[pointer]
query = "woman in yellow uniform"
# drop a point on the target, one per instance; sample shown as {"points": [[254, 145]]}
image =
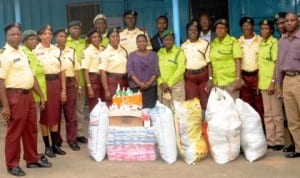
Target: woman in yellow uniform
{"points": [[198, 66], [273, 115], [171, 61], [225, 56], [113, 66], [68, 56], [49, 55], [90, 65]]}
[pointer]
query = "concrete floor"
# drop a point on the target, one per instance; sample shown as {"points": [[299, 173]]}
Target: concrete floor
{"points": [[79, 164]]}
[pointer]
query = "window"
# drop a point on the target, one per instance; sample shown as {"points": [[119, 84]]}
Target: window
{"points": [[85, 12]]}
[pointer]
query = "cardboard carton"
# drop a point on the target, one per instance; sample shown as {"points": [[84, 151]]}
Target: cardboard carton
{"points": [[125, 121]]}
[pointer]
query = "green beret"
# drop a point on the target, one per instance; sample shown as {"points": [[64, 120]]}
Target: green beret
{"points": [[28, 33], [60, 30], [74, 23], [267, 22], [221, 21], [167, 33], [246, 19], [9, 26], [44, 28], [279, 15], [110, 31], [91, 31], [130, 12]]}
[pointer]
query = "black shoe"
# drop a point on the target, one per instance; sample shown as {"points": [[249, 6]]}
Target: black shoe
{"points": [[59, 144], [270, 147], [43, 158], [82, 139], [58, 150], [49, 152], [278, 147], [74, 147], [16, 171], [290, 148], [39, 164], [293, 155]]}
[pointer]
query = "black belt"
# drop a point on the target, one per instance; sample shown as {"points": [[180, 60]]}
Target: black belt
{"points": [[196, 71], [292, 74], [117, 76], [52, 76], [93, 73], [70, 79], [246, 73], [18, 90]]}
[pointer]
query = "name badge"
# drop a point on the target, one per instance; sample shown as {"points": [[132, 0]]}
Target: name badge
{"points": [[16, 60]]}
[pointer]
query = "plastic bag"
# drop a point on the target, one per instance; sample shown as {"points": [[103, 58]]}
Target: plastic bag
{"points": [[163, 123], [223, 126], [253, 139], [97, 132], [190, 140]]}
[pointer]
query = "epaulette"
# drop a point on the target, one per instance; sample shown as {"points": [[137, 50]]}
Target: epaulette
{"points": [[2, 50], [72, 48]]}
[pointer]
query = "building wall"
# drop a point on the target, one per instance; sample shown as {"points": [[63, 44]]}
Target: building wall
{"points": [[258, 10], [34, 13]]}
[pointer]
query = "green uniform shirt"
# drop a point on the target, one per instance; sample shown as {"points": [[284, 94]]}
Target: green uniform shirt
{"points": [[267, 56], [104, 41], [222, 56], [39, 72], [171, 66], [79, 46]]}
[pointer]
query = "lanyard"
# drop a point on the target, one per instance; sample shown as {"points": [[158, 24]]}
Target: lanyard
{"points": [[160, 42]]}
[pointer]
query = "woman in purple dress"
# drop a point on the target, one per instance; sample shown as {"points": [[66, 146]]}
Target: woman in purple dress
{"points": [[142, 68]]}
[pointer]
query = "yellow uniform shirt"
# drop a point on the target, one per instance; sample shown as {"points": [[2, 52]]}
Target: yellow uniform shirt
{"points": [[128, 39], [15, 69], [249, 59], [104, 41], [267, 56], [38, 70], [50, 58], [91, 60], [222, 56], [70, 60], [114, 60], [171, 66], [79, 45], [196, 54]]}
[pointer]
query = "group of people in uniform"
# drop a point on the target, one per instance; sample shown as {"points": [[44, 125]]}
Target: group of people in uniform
{"points": [[41, 81]]}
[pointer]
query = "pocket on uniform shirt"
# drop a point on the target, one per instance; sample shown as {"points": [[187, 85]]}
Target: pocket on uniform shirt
{"points": [[225, 52]]}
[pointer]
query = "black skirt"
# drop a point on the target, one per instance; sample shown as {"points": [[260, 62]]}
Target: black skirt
{"points": [[149, 96]]}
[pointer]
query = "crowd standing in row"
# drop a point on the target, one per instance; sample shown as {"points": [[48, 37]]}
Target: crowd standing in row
{"points": [[65, 74]]}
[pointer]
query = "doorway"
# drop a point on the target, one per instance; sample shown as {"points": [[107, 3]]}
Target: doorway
{"points": [[215, 8]]}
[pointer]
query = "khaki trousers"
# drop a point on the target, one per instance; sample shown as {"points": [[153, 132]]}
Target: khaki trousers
{"points": [[178, 94], [80, 102], [273, 119], [291, 98]]}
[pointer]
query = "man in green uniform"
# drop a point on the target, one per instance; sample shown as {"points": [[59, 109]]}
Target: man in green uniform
{"points": [[79, 44]]}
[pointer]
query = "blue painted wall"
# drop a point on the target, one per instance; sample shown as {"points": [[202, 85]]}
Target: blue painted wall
{"points": [[258, 9], [34, 13]]}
